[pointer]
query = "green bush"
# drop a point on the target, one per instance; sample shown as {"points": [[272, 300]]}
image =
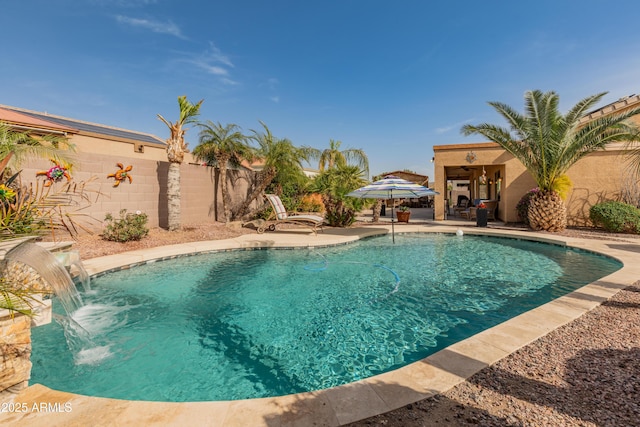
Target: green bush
{"points": [[127, 228], [616, 217], [337, 212]]}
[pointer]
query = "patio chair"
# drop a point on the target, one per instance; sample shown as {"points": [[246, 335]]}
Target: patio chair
{"points": [[469, 213], [461, 207], [282, 216], [491, 209]]}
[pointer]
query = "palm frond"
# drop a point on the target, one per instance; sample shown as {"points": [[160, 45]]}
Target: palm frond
{"points": [[549, 143]]}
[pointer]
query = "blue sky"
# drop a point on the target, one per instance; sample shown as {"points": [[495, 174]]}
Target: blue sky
{"points": [[391, 78]]}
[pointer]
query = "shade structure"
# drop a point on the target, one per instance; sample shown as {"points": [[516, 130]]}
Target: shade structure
{"points": [[392, 187]]}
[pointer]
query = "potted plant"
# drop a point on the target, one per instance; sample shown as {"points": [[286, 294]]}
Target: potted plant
{"points": [[403, 214], [481, 215]]}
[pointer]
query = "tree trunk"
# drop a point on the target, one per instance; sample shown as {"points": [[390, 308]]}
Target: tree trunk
{"points": [[376, 210], [173, 196], [264, 179], [222, 161], [547, 212]]}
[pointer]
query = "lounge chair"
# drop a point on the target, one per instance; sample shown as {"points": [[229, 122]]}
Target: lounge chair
{"points": [[282, 216]]}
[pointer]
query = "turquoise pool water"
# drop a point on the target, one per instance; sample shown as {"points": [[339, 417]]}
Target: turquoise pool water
{"points": [[249, 324]]}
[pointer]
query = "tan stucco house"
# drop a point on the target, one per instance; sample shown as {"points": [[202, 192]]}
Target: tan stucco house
{"points": [[494, 174]]}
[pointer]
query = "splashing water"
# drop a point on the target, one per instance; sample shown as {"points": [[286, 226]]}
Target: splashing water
{"points": [[51, 270]]}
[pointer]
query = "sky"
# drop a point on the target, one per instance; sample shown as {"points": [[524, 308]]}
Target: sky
{"points": [[390, 78]]}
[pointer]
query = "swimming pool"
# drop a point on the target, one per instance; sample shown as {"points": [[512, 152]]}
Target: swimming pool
{"points": [[262, 323]]}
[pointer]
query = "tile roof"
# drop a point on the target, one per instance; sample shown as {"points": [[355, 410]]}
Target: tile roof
{"points": [[616, 106], [78, 126]]}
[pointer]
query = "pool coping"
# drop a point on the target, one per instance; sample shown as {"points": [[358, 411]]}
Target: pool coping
{"points": [[348, 403]]}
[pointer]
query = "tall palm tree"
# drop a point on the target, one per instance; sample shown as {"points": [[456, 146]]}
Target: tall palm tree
{"points": [[176, 149], [283, 162], [223, 146], [17, 146], [548, 143], [333, 156]]}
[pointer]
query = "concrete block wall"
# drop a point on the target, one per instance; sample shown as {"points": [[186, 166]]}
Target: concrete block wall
{"points": [[201, 200]]}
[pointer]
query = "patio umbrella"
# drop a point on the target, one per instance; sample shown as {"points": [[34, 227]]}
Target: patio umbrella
{"points": [[391, 187]]}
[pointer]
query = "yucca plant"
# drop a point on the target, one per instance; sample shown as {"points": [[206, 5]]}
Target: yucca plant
{"points": [[548, 143], [35, 210], [17, 300]]}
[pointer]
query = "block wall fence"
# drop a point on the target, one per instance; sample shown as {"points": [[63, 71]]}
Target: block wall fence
{"points": [[201, 199]]}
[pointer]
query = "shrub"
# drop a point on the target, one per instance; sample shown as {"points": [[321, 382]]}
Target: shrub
{"points": [[127, 228], [616, 217], [338, 213], [34, 210], [312, 203], [523, 206]]}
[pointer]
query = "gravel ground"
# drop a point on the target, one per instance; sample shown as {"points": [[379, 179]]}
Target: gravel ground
{"points": [[586, 373], [92, 245]]}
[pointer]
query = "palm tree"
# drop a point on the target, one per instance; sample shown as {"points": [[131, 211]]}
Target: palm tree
{"points": [[340, 180], [334, 184], [634, 155], [176, 148], [16, 147], [333, 156], [282, 163], [549, 143], [223, 146]]}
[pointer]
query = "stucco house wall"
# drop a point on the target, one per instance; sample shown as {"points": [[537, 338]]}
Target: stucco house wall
{"points": [[599, 176], [494, 159]]}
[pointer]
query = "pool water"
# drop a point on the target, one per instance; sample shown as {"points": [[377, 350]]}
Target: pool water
{"points": [[248, 324]]}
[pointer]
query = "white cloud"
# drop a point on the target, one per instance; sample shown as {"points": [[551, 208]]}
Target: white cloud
{"points": [[213, 61], [211, 69], [275, 99], [229, 82], [155, 26], [215, 55], [124, 3], [453, 126]]}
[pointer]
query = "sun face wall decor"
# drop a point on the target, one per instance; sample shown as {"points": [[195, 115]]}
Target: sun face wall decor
{"points": [[56, 173], [121, 174]]}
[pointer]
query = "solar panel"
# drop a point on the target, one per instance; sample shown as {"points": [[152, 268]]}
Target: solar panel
{"points": [[94, 127]]}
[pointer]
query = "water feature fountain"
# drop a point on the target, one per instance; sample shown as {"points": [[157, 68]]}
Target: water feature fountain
{"points": [[59, 271], [71, 260], [29, 267], [51, 270]]}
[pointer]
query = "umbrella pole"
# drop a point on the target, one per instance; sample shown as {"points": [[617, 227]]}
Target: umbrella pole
{"points": [[393, 233]]}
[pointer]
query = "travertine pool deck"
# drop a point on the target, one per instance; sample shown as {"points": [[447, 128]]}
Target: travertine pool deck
{"points": [[344, 404]]}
